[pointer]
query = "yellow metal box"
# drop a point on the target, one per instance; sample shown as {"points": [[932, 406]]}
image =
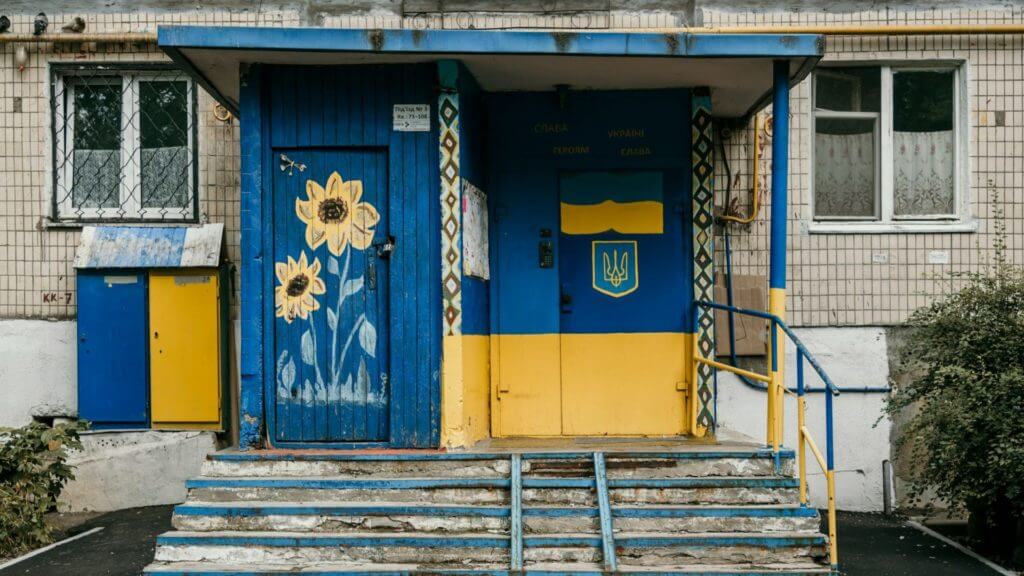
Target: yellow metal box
{"points": [[186, 351]]}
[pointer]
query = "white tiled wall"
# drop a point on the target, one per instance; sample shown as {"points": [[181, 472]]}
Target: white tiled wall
{"points": [[832, 278]]}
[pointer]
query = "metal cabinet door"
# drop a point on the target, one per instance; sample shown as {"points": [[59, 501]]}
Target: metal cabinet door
{"points": [[112, 378], [184, 338]]}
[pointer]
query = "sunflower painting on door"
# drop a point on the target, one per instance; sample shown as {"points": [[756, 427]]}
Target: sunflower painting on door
{"points": [[335, 216]]}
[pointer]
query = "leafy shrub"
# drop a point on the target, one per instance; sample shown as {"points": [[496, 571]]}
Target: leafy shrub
{"points": [[33, 471], [966, 435]]}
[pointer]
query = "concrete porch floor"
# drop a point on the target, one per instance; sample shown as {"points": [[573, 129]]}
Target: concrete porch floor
{"points": [[724, 441]]}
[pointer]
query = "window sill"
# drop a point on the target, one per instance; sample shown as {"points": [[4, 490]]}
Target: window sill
{"points": [[48, 224], [954, 227]]}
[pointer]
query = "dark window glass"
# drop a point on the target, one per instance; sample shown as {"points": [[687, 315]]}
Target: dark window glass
{"points": [[848, 89]]}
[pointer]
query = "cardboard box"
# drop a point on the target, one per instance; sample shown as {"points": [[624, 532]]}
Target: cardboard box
{"points": [[750, 292]]}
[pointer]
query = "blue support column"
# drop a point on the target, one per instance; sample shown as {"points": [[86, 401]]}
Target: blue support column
{"points": [[251, 401], [780, 175], [777, 259]]}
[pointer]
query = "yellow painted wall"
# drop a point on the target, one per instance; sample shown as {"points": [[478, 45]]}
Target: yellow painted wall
{"points": [[465, 390]]}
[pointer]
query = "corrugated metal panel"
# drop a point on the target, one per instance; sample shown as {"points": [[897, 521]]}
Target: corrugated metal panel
{"points": [[150, 247]]}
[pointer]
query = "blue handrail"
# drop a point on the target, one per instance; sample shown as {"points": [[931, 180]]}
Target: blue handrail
{"points": [[830, 389], [801, 348]]}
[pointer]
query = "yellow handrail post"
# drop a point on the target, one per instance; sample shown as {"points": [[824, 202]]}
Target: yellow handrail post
{"points": [[801, 449], [833, 546]]}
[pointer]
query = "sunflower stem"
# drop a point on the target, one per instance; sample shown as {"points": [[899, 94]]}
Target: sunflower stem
{"points": [[342, 278], [348, 341], [316, 361]]}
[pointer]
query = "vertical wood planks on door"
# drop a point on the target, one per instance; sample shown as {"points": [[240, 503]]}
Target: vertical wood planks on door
{"points": [[350, 108]]}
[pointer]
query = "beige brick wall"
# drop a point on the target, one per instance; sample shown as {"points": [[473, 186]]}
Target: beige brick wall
{"points": [[832, 278]]}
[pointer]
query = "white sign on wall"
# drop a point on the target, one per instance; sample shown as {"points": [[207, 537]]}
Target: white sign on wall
{"points": [[411, 118], [476, 260]]}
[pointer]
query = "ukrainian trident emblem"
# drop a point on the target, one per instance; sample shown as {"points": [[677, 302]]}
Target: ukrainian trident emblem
{"points": [[614, 265]]}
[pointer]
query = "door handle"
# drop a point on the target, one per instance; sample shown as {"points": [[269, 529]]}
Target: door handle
{"points": [[565, 301]]}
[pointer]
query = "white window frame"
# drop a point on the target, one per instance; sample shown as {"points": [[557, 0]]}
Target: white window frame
{"points": [[130, 204], [885, 220]]}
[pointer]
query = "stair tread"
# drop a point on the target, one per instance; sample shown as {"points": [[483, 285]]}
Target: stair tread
{"points": [[490, 479], [469, 535], [354, 567], [428, 504]]}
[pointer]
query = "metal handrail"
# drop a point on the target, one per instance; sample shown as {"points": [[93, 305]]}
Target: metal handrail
{"points": [[776, 389], [785, 328]]}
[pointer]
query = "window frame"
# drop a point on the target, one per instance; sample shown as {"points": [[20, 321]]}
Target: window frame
{"points": [[885, 219], [130, 207]]}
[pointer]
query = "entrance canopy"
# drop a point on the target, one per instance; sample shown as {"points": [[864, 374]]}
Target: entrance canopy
{"points": [[732, 65]]}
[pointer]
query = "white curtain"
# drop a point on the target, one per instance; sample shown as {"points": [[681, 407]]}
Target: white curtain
{"points": [[844, 174], [923, 173]]}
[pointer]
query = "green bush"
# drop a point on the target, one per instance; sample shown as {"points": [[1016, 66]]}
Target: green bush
{"points": [[33, 471], [966, 435]]}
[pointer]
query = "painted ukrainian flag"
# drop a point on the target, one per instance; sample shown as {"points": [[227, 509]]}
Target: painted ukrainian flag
{"points": [[627, 203]]}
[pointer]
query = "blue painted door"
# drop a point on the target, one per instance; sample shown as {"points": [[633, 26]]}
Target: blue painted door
{"points": [[331, 254], [113, 389]]}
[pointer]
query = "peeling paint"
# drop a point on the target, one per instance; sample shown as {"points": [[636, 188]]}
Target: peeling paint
{"points": [[562, 40], [672, 43], [376, 38]]}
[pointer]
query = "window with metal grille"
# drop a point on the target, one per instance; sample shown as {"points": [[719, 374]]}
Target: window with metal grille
{"points": [[124, 144]]}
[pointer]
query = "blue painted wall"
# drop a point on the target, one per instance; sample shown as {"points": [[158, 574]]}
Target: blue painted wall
{"points": [[533, 139], [472, 145], [287, 108]]}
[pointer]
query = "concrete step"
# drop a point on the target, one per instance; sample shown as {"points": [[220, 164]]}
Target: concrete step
{"points": [[466, 551], [666, 464], [466, 491], [469, 465], [342, 465], [724, 490], [578, 569], [495, 491], [431, 518]]}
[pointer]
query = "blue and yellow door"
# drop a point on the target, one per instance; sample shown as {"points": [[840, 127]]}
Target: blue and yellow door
{"points": [[621, 308], [591, 251]]}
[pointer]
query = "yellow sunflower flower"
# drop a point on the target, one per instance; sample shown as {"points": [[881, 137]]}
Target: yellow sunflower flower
{"points": [[336, 216], [300, 283]]}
